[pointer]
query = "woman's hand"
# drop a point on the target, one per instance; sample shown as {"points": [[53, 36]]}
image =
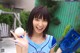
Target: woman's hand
{"points": [[59, 50], [23, 42]]}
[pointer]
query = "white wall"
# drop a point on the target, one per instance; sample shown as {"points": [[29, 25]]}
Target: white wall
{"points": [[27, 5]]}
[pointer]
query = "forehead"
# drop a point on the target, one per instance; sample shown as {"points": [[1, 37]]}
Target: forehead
{"points": [[40, 16]]}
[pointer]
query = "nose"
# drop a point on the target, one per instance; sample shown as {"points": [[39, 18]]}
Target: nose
{"points": [[40, 23]]}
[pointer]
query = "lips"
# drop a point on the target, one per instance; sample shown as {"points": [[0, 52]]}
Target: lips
{"points": [[39, 28]]}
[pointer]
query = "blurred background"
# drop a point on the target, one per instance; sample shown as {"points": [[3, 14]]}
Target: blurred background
{"points": [[65, 14]]}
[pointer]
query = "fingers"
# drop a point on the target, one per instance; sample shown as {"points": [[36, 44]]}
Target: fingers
{"points": [[25, 33], [17, 43], [21, 43], [13, 34]]}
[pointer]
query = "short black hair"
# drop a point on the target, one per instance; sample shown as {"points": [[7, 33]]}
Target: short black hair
{"points": [[39, 10]]}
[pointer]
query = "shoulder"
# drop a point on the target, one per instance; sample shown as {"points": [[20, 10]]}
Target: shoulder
{"points": [[51, 37], [52, 41]]}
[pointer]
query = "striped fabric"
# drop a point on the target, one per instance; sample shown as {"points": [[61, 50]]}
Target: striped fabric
{"points": [[44, 47]]}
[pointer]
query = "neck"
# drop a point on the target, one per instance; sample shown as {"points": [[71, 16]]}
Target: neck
{"points": [[38, 35], [38, 38]]}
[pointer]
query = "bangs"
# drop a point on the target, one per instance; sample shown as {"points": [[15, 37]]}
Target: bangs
{"points": [[42, 14]]}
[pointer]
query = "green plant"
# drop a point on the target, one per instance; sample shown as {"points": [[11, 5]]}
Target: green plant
{"points": [[24, 18], [6, 18], [9, 19], [77, 23], [67, 28], [78, 28]]}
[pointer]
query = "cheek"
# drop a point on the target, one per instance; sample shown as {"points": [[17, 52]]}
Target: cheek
{"points": [[34, 23], [45, 24]]}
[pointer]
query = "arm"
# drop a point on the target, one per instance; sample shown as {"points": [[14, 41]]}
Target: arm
{"points": [[20, 49], [21, 44], [53, 43], [52, 50], [59, 50]]}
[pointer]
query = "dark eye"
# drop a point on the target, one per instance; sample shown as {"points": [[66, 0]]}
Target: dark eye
{"points": [[36, 19], [45, 19]]}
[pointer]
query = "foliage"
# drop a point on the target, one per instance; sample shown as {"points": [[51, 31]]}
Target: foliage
{"points": [[24, 18], [9, 19], [77, 21], [5, 9], [68, 27], [78, 28], [6, 18]]}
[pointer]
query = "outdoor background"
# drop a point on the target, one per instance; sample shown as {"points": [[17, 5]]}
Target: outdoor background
{"points": [[65, 14]]}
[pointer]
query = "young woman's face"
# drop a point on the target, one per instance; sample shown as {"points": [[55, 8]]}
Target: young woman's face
{"points": [[39, 25]]}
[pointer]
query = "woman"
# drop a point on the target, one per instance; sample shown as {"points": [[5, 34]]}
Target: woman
{"points": [[37, 41]]}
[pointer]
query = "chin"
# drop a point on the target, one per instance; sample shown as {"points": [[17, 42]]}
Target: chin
{"points": [[39, 32]]}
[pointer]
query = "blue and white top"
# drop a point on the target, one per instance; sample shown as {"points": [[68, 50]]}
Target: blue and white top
{"points": [[44, 47]]}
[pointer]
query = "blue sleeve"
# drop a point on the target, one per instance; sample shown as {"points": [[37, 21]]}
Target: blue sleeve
{"points": [[53, 42]]}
